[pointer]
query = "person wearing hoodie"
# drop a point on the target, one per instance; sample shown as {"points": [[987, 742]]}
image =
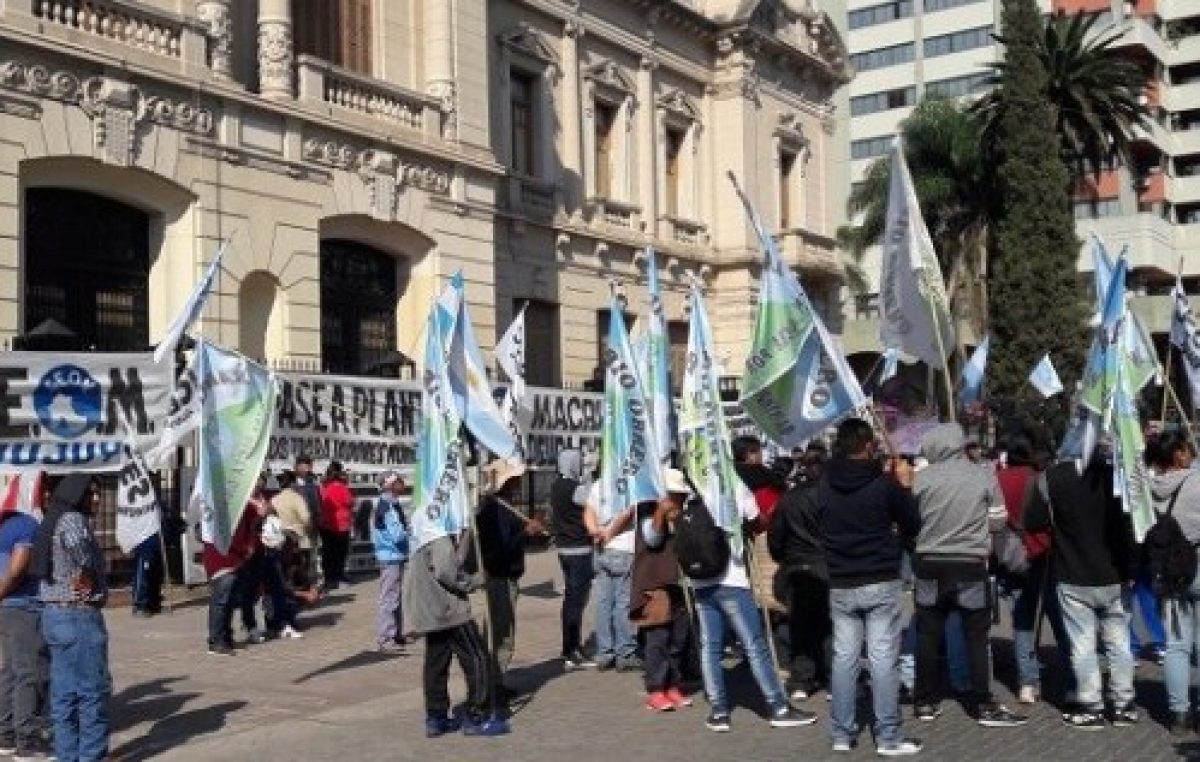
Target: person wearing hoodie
{"points": [[865, 512], [70, 566], [950, 570], [1091, 551], [437, 606], [568, 496], [1176, 490], [797, 545], [389, 536]]}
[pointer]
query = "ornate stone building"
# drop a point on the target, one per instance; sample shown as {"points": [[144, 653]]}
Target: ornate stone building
{"points": [[358, 152]]}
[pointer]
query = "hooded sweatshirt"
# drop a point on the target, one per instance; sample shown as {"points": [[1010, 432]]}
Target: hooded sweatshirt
{"points": [[954, 496], [568, 495], [858, 507], [1187, 506], [435, 588]]}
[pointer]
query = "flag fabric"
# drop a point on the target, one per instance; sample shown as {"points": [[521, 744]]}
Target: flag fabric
{"points": [[446, 308], [22, 491], [238, 408], [183, 415], [891, 364], [912, 291], [1139, 346], [510, 355], [470, 389], [704, 432], [657, 369], [1045, 378], [797, 381], [1186, 338], [439, 493], [1131, 477], [139, 515], [1100, 373], [973, 374], [192, 308], [630, 469]]}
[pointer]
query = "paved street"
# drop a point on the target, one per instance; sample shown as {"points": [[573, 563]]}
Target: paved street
{"points": [[331, 695]]}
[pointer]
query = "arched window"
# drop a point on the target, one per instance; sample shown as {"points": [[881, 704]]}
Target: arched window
{"points": [[87, 265], [358, 308]]}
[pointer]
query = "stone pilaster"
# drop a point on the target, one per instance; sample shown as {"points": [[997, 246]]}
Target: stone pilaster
{"points": [[276, 55], [219, 22]]}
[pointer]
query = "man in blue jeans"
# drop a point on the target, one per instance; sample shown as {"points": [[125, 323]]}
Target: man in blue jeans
{"points": [[68, 561], [864, 514], [616, 645], [22, 650]]}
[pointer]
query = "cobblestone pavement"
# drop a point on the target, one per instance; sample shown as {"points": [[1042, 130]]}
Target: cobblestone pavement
{"points": [[331, 696]]}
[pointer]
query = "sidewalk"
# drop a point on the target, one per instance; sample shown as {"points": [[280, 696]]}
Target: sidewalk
{"points": [[332, 696]]}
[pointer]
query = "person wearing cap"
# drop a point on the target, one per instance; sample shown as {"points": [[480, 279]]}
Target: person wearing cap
{"points": [[337, 519], [389, 535], [502, 532], [656, 602]]}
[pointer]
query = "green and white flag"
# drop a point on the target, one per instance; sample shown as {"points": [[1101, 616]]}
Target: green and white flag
{"points": [[797, 381], [1131, 475], [703, 430], [238, 403]]}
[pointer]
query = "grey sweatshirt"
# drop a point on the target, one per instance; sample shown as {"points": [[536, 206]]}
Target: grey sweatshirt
{"points": [[953, 496], [1187, 507], [435, 589]]}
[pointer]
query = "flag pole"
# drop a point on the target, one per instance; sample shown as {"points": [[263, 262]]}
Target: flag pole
{"points": [[1162, 419], [941, 345], [1183, 416]]}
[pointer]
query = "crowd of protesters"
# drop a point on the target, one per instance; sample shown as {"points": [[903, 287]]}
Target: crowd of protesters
{"points": [[827, 552]]}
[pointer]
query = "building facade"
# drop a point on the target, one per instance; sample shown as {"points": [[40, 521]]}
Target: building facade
{"points": [[903, 50], [357, 153]]}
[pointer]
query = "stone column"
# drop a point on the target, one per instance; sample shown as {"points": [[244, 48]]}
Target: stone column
{"points": [[439, 55], [648, 136], [572, 114], [275, 51], [216, 17]]}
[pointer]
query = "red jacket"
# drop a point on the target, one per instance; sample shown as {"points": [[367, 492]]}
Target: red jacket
{"points": [[1014, 482], [337, 507], [243, 545]]}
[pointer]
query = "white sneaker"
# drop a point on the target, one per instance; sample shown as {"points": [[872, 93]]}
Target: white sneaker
{"points": [[290, 633], [1027, 695]]}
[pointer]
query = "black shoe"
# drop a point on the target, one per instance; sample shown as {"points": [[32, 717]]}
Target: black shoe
{"points": [[576, 661], [998, 716], [605, 663], [1181, 724], [927, 712], [143, 613], [718, 722], [1084, 720], [788, 716], [220, 649], [629, 664], [1125, 716]]}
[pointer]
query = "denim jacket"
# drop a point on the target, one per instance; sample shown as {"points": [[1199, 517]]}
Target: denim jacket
{"points": [[389, 531]]}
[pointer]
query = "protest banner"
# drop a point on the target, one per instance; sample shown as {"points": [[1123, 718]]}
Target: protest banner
{"points": [[59, 412]]}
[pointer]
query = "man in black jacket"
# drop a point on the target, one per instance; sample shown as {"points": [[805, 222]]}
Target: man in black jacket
{"points": [[568, 496], [864, 513], [1090, 555], [502, 533], [795, 542]]}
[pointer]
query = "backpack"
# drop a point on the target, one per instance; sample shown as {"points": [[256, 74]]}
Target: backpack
{"points": [[700, 545], [1169, 556]]}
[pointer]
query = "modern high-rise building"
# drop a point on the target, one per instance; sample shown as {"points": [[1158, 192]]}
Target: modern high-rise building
{"points": [[903, 50]]}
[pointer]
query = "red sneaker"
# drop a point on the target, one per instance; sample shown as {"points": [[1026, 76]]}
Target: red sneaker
{"points": [[659, 701], [678, 698]]}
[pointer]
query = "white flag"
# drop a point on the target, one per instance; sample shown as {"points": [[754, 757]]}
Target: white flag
{"points": [[510, 354], [1045, 378], [891, 364], [912, 291], [183, 416], [138, 512], [1186, 338], [192, 309]]}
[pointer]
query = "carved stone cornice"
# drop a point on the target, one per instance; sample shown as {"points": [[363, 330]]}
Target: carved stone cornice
{"points": [[383, 172]]}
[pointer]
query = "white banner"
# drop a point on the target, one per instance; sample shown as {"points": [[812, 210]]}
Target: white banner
{"points": [[59, 411], [1186, 339], [138, 515]]}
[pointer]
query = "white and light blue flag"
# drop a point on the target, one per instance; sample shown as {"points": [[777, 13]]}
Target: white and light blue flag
{"points": [[1045, 378], [973, 374]]}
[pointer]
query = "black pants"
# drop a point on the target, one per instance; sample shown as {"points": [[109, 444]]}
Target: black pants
{"points": [[465, 644], [23, 684], [935, 599], [221, 598], [335, 547], [578, 571], [249, 589], [664, 646], [148, 575], [810, 628]]}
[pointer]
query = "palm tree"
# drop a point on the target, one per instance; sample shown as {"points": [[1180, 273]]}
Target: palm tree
{"points": [[1095, 87], [941, 142]]}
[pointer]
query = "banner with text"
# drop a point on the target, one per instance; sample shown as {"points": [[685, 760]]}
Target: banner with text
{"points": [[61, 412]]}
